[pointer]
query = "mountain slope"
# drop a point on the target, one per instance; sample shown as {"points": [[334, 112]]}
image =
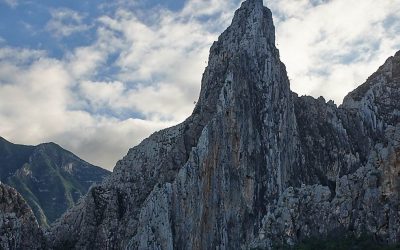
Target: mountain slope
{"points": [[255, 165], [50, 178]]}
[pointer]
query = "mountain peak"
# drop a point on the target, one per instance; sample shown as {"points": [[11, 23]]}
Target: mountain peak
{"points": [[50, 145], [3, 140], [247, 45], [251, 5], [254, 22]]}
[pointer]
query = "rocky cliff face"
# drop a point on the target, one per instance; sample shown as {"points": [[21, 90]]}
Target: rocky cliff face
{"points": [[49, 178], [254, 165], [360, 142], [18, 226]]}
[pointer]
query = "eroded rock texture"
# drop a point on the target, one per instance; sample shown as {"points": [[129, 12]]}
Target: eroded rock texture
{"points": [[359, 183], [18, 226], [254, 165]]}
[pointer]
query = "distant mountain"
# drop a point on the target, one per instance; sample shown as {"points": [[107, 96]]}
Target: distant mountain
{"points": [[50, 178]]}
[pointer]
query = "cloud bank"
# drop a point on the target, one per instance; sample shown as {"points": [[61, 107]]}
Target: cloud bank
{"points": [[142, 70], [332, 46]]}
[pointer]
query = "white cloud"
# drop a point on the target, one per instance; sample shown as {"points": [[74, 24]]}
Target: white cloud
{"points": [[149, 101], [35, 108], [11, 3], [102, 94], [84, 61], [33, 98], [163, 57], [103, 141], [20, 56], [65, 22], [331, 46]]}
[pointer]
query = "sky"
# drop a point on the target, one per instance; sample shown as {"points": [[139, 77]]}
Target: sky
{"points": [[97, 77]]}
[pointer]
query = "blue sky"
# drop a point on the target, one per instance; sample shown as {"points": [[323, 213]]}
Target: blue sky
{"points": [[98, 76], [24, 23]]}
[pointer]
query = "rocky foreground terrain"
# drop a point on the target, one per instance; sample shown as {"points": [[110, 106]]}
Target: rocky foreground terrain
{"points": [[18, 226], [255, 166]]}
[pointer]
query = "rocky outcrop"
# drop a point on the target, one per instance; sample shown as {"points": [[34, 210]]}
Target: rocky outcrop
{"points": [[362, 198], [49, 178], [247, 154], [254, 165], [18, 226], [364, 202]]}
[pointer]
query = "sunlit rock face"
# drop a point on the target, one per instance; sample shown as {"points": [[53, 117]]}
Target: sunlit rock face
{"points": [[254, 165]]}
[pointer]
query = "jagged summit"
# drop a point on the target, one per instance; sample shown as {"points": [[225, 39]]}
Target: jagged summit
{"points": [[375, 96], [390, 69], [396, 66], [252, 4], [254, 20], [249, 41]]}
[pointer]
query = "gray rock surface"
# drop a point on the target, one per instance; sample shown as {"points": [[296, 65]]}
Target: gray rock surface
{"points": [[254, 165], [18, 226], [353, 154]]}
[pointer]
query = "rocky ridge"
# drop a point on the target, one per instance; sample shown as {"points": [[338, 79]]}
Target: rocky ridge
{"points": [[362, 198], [254, 165], [18, 226]]}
